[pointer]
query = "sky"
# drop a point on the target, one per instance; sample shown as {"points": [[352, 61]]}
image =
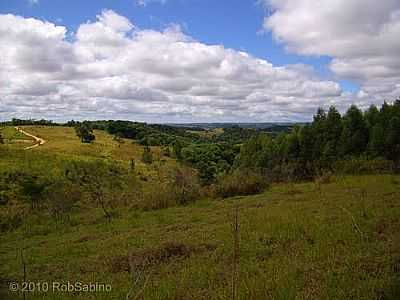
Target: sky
{"points": [[182, 61]]}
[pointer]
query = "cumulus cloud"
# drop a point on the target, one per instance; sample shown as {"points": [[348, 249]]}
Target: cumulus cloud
{"points": [[362, 37], [112, 69]]}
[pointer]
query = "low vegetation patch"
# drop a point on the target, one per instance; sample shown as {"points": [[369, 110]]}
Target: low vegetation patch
{"points": [[240, 183]]}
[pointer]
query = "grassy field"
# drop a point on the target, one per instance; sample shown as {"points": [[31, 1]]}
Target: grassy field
{"points": [[338, 240], [62, 143], [14, 139]]}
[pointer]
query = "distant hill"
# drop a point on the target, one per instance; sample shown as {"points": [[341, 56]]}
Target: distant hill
{"points": [[267, 125]]}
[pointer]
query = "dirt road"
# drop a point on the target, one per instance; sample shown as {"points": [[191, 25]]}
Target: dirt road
{"points": [[39, 141]]}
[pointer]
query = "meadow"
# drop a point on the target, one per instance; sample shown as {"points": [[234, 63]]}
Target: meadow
{"points": [[332, 239]]}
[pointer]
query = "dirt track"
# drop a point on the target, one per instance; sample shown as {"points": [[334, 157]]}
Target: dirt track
{"points": [[39, 141]]}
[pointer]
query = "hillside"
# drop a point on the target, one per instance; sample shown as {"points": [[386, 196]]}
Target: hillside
{"points": [[316, 240], [63, 143]]}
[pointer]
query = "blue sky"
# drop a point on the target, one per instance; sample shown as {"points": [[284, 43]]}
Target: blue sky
{"points": [[329, 53], [209, 21]]}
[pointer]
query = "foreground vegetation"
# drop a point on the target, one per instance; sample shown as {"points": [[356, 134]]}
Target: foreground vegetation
{"points": [[338, 240]]}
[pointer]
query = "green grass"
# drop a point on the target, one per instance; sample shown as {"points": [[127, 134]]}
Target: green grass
{"points": [[297, 241], [14, 139], [62, 143], [341, 242]]}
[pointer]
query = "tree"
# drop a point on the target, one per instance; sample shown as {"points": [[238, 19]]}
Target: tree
{"points": [[319, 133], [147, 156], [354, 138], [84, 132], [1, 139], [32, 189], [392, 141], [177, 149], [333, 131], [372, 116], [292, 149], [207, 171], [320, 116], [306, 141], [376, 145], [100, 182], [61, 197]]}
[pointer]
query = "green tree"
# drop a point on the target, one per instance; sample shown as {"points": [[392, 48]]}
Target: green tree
{"points": [[84, 132], [177, 149], [207, 171], [333, 132], [376, 144], [319, 133], [372, 116], [100, 182], [306, 142], [392, 141], [354, 138], [292, 149], [33, 189]]}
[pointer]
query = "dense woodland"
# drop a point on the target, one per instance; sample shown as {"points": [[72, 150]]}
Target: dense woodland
{"points": [[354, 141]]}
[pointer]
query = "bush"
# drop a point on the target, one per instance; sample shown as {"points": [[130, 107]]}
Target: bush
{"points": [[178, 187], [240, 183], [147, 156], [61, 197], [158, 198]]}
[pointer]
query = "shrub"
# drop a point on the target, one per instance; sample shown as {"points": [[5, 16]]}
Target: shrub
{"points": [[147, 156], [61, 196], [101, 182], [186, 185], [240, 183], [159, 198], [179, 186]]}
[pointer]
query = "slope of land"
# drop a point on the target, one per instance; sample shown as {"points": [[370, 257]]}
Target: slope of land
{"points": [[338, 240], [39, 141], [63, 142], [16, 139]]}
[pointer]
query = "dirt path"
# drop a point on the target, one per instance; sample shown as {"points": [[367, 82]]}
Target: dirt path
{"points": [[39, 141]]}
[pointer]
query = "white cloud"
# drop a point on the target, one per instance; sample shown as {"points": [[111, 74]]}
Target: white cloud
{"points": [[362, 37], [112, 69]]}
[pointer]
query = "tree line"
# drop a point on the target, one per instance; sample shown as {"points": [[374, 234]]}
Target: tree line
{"points": [[330, 138]]}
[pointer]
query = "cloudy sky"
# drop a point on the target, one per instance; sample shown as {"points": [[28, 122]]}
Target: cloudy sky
{"points": [[196, 60]]}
